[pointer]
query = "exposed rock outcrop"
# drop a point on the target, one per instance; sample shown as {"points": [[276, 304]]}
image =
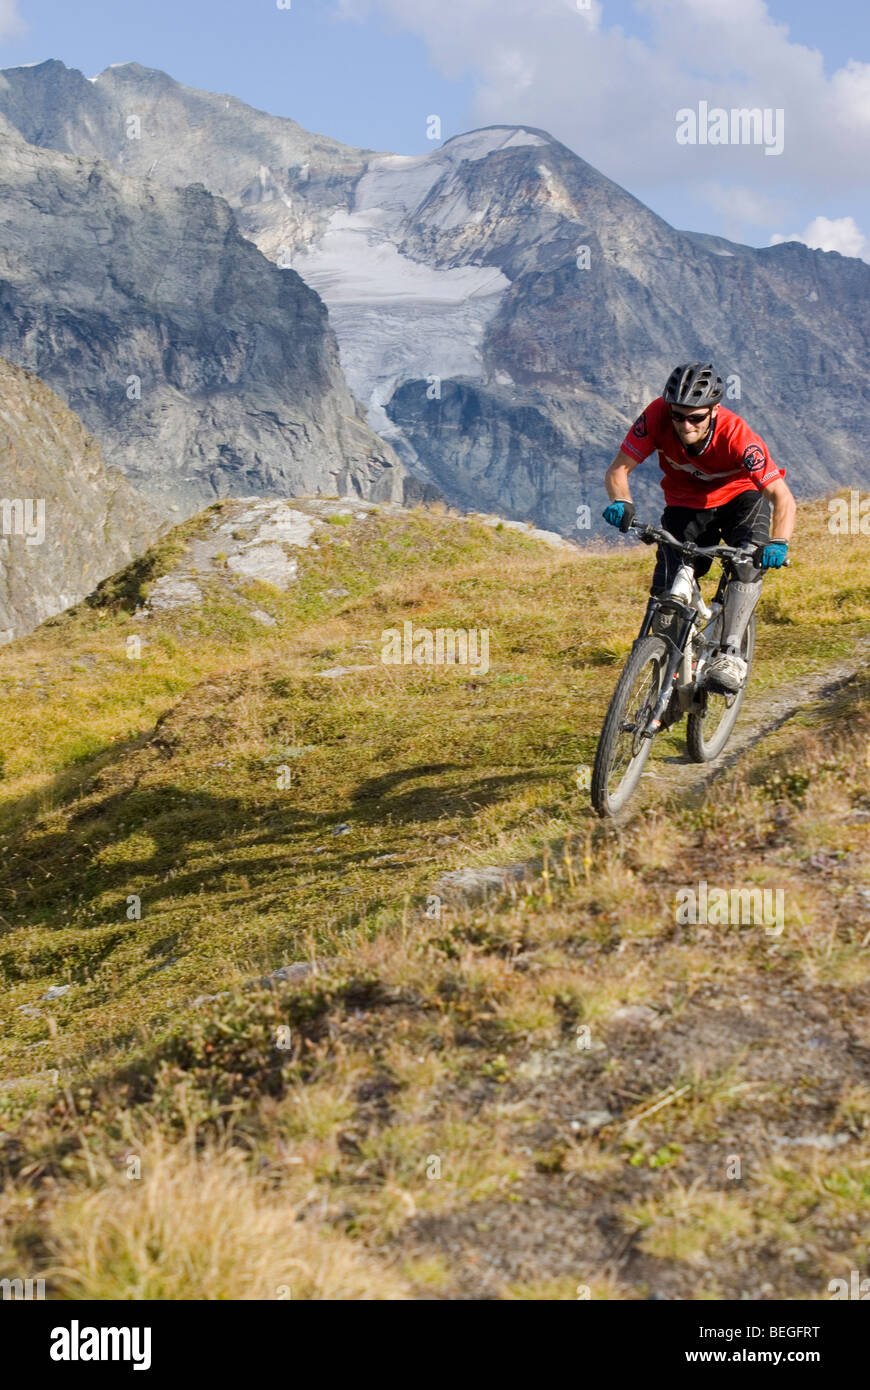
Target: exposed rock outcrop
{"points": [[65, 519], [202, 368]]}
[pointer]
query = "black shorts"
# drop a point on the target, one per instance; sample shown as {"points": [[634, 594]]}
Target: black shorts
{"points": [[746, 518]]}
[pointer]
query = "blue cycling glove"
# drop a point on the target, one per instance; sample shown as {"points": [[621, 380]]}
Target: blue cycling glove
{"points": [[773, 555], [619, 514]]}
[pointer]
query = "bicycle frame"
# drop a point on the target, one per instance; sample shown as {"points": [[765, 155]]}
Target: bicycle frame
{"points": [[685, 613]]}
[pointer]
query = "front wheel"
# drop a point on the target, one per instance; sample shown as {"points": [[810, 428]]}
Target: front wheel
{"points": [[622, 749], [709, 728]]}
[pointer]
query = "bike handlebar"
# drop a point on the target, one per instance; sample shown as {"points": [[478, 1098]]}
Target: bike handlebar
{"points": [[689, 549]]}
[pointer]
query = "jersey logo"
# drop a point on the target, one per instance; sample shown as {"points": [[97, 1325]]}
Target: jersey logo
{"points": [[639, 429], [702, 474], [753, 458]]}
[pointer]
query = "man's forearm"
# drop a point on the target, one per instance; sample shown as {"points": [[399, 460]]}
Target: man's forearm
{"points": [[782, 525], [616, 482]]}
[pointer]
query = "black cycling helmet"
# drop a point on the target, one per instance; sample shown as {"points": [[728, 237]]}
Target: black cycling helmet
{"points": [[694, 384]]}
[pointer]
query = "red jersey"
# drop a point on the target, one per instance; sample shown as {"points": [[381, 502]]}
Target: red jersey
{"points": [[735, 460]]}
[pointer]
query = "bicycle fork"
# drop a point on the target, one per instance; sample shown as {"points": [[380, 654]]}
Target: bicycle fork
{"points": [[679, 668], [684, 603]]}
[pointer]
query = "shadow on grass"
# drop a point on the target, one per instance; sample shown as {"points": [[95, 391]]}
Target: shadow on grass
{"points": [[46, 871], [65, 786]]}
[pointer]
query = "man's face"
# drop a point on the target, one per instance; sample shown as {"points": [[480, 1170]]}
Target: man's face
{"points": [[690, 425]]}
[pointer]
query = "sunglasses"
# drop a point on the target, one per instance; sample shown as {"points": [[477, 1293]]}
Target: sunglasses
{"points": [[697, 418]]}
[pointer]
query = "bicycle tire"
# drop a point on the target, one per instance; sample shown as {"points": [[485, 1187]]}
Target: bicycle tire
{"points": [[605, 801], [700, 749]]}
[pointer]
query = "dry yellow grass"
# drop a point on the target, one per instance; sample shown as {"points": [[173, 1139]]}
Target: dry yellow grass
{"points": [[198, 1226]]}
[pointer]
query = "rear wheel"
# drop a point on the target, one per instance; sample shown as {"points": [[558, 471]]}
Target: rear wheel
{"points": [[709, 727], [622, 750]]}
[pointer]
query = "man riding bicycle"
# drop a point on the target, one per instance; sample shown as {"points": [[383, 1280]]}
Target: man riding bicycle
{"points": [[719, 482]]}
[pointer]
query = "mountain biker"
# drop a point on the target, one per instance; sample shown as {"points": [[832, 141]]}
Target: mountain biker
{"points": [[719, 482]]}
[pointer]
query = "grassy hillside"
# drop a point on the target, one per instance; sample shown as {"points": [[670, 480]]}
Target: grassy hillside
{"points": [[424, 1100]]}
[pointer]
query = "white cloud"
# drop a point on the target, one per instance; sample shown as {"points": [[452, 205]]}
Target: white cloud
{"points": [[11, 23], [613, 97], [850, 87], [831, 234]]}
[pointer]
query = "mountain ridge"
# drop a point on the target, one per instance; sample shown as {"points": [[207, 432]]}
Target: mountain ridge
{"points": [[517, 282]]}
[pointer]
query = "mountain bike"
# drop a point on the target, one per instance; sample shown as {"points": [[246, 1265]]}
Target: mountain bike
{"points": [[663, 678]]}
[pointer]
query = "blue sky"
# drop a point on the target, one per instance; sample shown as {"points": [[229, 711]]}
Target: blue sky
{"points": [[607, 80]]}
